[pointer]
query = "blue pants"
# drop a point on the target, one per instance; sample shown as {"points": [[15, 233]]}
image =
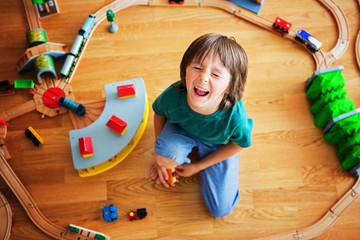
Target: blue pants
{"points": [[219, 182]]}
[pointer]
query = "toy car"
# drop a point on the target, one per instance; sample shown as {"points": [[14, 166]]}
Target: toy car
{"points": [[109, 213], [141, 213]]}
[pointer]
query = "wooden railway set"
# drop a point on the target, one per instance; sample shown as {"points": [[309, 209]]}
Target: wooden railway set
{"points": [[322, 59]]}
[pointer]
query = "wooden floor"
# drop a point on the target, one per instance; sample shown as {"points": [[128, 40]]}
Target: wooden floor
{"points": [[289, 177]]}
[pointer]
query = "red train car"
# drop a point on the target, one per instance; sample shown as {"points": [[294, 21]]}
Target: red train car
{"points": [[281, 26]]}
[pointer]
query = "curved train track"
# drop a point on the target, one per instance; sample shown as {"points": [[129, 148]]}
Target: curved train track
{"points": [[6, 218], [34, 212], [321, 58]]}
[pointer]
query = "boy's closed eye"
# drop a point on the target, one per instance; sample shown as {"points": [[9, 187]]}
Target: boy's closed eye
{"points": [[216, 75]]}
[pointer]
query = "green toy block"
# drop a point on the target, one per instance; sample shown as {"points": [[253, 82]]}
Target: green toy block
{"points": [[324, 83], [322, 71], [342, 130], [351, 159], [326, 99], [332, 110], [347, 144]]}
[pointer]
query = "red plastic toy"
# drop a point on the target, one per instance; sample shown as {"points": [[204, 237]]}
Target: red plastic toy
{"points": [[117, 124], [86, 148], [126, 91]]}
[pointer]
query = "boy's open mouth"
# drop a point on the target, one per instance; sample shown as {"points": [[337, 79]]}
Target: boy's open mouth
{"points": [[200, 91]]}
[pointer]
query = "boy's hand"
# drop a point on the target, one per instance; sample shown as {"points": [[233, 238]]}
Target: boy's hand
{"points": [[187, 169], [158, 169]]}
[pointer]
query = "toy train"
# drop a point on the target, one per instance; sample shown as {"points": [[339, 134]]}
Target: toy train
{"points": [[80, 39], [281, 26], [6, 87], [310, 41]]}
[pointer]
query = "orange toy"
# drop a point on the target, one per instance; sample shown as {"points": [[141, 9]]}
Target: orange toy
{"points": [[171, 175]]}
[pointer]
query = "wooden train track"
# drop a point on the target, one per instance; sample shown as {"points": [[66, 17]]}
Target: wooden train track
{"points": [[326, 221], [321, 58], [33, 211], [325, 59], [6, 218], [33, 21], [357, 45]]}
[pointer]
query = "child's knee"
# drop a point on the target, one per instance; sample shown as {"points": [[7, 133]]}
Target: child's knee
{"points": [[223, 207], [175, 147]]}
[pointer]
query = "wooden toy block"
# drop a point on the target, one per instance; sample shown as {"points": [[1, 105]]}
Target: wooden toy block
{"points": [[86, 148], [126, 91], [117, 124]]}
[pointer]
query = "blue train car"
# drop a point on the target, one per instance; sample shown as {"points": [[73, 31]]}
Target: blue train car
{"points": [[88, 26], [309, 40]]}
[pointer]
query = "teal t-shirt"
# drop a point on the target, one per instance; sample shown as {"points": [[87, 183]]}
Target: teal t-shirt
{"points": [[217, 128]]}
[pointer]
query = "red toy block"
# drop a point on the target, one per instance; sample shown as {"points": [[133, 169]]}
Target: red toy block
{"points": [[86, 148], [117, 124], [126, 91]]}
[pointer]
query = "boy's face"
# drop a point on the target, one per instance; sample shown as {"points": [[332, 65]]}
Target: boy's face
{"points": [[206, 84]]}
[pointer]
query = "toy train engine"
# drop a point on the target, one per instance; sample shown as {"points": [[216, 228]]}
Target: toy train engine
{"points": [[76, 48], [141, 213], [310, 41], [88, 26], [281, 26]]}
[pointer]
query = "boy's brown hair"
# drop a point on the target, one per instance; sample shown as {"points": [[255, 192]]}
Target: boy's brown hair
{"points": [[231, 54]]}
